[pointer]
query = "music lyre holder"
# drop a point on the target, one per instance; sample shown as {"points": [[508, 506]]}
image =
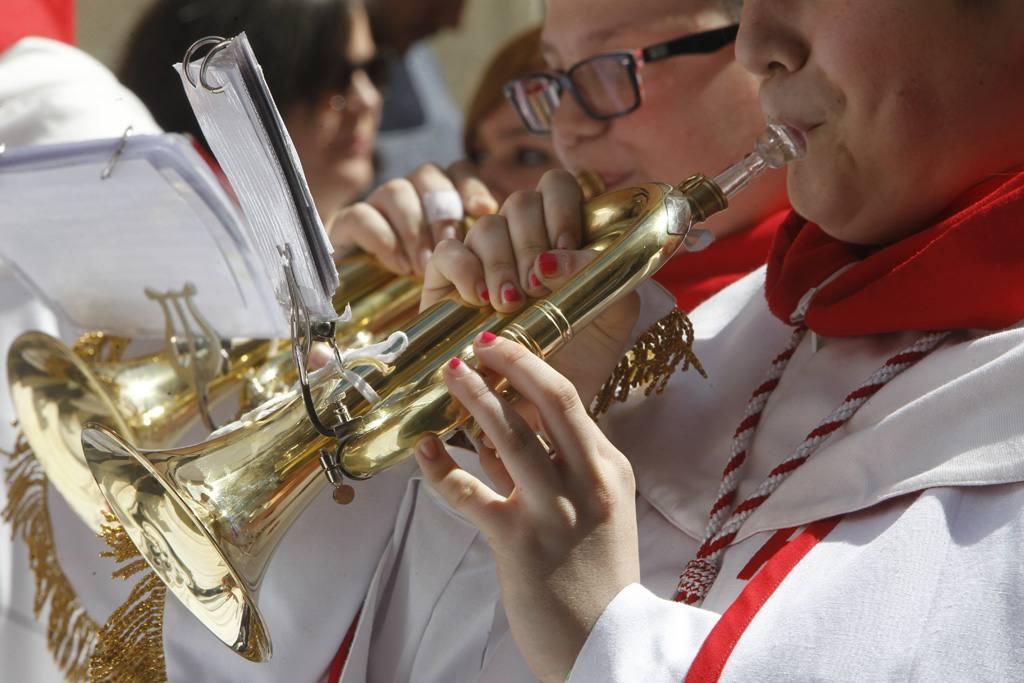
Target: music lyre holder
{"points": [[197, 357]]}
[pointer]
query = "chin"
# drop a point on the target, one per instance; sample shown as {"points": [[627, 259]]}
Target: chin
{"points": [[355, 175], [820, 197]]}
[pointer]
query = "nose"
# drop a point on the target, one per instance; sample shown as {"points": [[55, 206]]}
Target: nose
{"points": [[571, 125], [363, 94], [494, 179], [770, 39]]}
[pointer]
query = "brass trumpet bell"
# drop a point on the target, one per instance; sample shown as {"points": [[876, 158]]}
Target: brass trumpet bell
{"points": [[208, 517], [56, 393], [148, 401]]}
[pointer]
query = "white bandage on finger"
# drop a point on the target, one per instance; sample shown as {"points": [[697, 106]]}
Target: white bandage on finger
{"points": [[442, 205]]}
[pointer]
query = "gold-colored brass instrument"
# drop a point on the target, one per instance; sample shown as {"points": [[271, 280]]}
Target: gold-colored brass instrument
{"points": [[148, 400], [208, 517], [56, 393], [151, 404]]}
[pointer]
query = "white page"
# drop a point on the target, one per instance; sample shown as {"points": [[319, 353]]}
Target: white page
{"points": [[90, 247], [238, 135]]}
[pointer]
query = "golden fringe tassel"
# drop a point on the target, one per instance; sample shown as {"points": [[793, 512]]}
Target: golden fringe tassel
{"points": [[71, 633], [130, 646], [100, 346], [652, 361]]}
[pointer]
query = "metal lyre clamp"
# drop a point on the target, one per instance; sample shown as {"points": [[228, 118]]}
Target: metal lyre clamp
{"points": [[338, 423], [218, 43], [197, 355]]}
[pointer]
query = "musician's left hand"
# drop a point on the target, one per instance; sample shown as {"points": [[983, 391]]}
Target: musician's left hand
{"points": [[564, 537]]}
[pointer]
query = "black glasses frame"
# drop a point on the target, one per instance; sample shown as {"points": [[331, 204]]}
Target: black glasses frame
{"points": [[631, 61]]}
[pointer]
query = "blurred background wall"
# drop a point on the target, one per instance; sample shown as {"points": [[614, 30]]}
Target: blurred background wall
{"points": [[103, 26]]}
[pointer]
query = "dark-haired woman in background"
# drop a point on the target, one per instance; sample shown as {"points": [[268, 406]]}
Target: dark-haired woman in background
{"points": [[320, 63]]}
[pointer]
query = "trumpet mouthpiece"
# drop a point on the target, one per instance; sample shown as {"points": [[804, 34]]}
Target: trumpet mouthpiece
{"points": [[780, 144]]}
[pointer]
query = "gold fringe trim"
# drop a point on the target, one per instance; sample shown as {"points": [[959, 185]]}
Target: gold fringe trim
{"points": [[652, 361], [130, 646], [71, 633]]}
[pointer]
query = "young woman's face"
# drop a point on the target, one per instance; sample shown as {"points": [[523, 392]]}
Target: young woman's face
{"points": [[905, 103], [509, 158], [699, 113], [335, 136]]}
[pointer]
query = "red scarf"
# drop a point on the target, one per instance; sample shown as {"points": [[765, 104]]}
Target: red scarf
{"points": [[699, 275], [964, 272], [44, 18]]}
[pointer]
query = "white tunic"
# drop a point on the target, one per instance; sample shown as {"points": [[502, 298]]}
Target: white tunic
{"points": [[922, 578], [51, 92]]}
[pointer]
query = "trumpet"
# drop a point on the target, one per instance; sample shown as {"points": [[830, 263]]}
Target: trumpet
{"points": [[152, 400], [208, 517]]}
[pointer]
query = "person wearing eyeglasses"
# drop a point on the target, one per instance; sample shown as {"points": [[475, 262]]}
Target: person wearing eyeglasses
{"points": [[639, 92], [675, 103]]}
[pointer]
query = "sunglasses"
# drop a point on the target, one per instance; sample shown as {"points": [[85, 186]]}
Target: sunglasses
{"points": [[376, 69], [604, 86]]}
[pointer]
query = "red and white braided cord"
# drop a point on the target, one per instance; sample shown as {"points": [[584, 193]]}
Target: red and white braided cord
{"points": [[723, 524]]}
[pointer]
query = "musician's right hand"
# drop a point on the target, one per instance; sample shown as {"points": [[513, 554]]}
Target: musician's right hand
{"points": [[529, 249], [393, 225]]}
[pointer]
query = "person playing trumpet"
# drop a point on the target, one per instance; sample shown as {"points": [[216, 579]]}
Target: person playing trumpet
{"points": [[842, 498]]}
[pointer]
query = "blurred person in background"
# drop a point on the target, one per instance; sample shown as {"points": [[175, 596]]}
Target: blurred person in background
{"points": [[421, 122], [506, 155], [320, 63]]}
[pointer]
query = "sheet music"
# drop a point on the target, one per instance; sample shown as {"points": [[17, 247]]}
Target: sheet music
{"points": [[248, 137], [89, 247]]}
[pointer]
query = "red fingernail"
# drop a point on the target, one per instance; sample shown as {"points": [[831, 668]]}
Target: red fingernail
{"points": [[548, 264], [534, 282], [484, 294], [487, 337], [454, 364], [510, 295]]}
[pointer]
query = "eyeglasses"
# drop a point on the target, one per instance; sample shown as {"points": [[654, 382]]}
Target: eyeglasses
{"points": [[605, 86], [377, 69]]}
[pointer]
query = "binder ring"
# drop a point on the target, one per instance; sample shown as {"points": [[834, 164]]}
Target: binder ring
{"points": [[218, 43]]}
